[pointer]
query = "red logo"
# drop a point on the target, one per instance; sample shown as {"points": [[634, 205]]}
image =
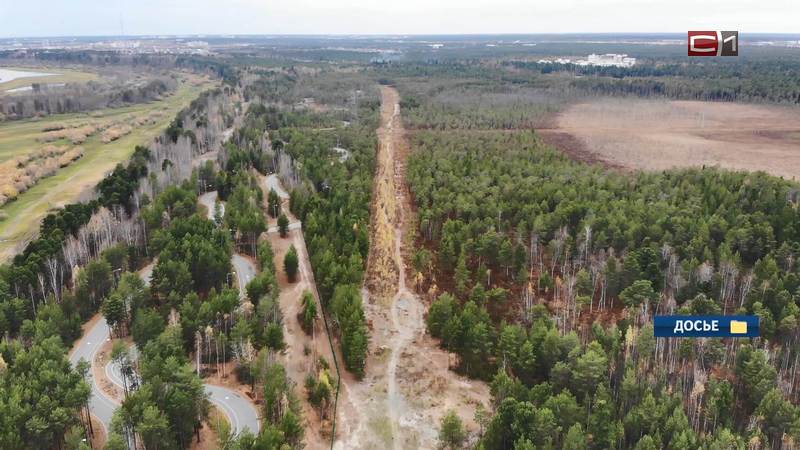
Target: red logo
{"points": [[713, 43]]}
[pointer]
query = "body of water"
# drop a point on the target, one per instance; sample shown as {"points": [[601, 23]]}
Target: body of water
{"points": [[7, 75]]}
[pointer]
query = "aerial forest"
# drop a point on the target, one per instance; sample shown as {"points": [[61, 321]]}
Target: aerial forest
{"points": [[544, 275]]}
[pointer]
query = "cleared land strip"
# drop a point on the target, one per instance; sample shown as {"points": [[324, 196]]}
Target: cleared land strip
{"points": [[303, 350], [408, 387]]}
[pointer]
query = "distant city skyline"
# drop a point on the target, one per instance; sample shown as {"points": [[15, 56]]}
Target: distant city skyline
{"points": [[42, 18]]}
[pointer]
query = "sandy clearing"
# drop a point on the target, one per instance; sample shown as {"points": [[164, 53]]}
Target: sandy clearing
{"points": [[660, 134], [302, 350], [408, 386], [209, 440], [98, 432], [209, 203]]}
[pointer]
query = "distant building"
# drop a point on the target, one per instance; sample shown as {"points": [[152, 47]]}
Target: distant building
{"points": [[607, 60], [197, 44], [556, 61]]}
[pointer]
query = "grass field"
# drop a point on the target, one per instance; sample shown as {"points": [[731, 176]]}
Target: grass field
{"points": [[19, 219], [21, 137], [59, 76]]}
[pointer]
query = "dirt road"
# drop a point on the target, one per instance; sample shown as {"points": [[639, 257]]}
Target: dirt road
{"points": [[408, 387], [302, 350], [271, 181]]}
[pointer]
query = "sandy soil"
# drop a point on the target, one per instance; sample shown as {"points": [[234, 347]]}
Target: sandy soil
{"points": [[302, 350], [209, 440], [99, 437], [408, 386], [382, 270], [659, 134]]}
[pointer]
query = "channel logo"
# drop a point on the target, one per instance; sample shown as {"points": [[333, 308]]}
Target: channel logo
{"points": [[706, 326], [713, 43]]}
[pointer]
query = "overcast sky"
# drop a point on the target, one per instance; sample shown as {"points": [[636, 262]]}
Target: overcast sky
{"points": [[109, 17]]}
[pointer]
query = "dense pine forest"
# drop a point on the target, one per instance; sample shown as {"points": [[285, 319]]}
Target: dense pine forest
{"points": [[774, 81], [191, 279], [186, 321], [544, 275], [85, 261], [540, 274], [330, 189]]}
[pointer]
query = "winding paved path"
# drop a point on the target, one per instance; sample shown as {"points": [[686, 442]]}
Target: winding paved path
{"points": [[241, 413], [245, 271], [101, 405], [272, 181], [244, 268]]}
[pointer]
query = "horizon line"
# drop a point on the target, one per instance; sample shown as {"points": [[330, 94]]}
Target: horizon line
{"points": [[374, 35]]}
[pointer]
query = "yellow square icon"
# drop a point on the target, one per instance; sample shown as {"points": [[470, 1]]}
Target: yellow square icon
{"points": [[738, 327]]}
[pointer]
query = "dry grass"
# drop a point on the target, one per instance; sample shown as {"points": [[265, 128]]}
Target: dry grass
{"points": [[19, 174], [382, 274], [76, 134], [19, 220], [55, 126], [148, 119], [115, 132], [109, 130], [658, 134]]}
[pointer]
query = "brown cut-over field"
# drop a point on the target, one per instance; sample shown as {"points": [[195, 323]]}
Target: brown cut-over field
{"points": [[662, 134]]}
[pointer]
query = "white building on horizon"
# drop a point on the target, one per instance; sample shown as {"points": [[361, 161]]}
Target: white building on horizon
{"points": [[607, 60]]}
